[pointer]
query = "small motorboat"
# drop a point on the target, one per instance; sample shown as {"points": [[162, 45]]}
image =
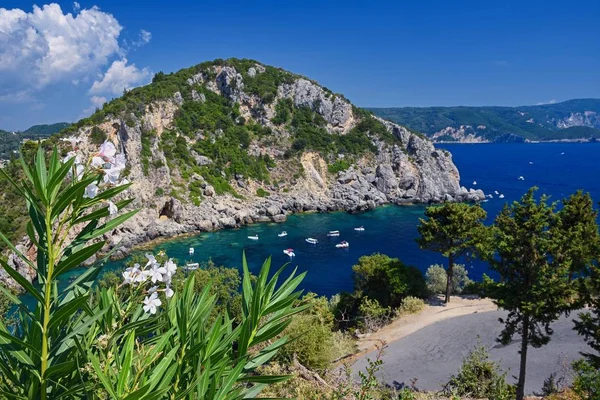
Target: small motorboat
{"points": [[191, 266], [333, 233], [521, 178], [530, 162], [282, 234], [191, 251], [312, 241], [342, 245], [501, 196], [289, 252], [360, 229], [474, 183], [255, 237], [495, 191], [490, 196]]}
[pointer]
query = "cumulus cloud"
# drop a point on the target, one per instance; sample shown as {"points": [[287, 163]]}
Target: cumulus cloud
{"points": [[48, 46], [98, 101], [120, 77]]}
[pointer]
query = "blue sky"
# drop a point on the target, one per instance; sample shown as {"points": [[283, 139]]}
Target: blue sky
{"points": [[58, 67]]}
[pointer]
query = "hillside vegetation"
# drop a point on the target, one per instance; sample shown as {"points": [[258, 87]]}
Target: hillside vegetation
{"points": [[573, 119], [10, 141]]}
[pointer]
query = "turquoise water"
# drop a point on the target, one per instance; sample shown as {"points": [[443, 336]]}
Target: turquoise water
{"points": [[558, 169]]}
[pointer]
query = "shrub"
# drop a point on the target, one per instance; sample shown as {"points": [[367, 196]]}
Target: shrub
{"points": [[97, 136], [260, 192], [411, 305], [481, 288], [479, 377], [587, 380], [436, 278], [312, 342], [387, 280], [338, 166], [159, 191], [372, 315]]}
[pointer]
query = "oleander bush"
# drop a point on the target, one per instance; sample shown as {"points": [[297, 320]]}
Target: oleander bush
{"points": [[159, 340]]}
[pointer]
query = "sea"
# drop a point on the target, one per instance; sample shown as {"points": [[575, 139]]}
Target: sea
{"points": [[557, 169]]}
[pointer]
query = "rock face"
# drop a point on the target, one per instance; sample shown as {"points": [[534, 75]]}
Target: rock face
{"points": [[410, 170]]}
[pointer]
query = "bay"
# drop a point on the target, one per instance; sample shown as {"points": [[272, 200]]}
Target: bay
{"points": [[558, 169]]}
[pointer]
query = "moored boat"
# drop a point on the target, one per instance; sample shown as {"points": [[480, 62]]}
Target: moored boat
{"points": [[342, 245], [333, 233], [255, 237], [289, 252], [191, 266], [191, 251], [312, 241], [360, 228], [282, 234]]}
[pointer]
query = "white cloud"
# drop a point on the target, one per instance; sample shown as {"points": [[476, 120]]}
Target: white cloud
{"points": [[120, 77], [48, 46], [97, 101], [552, 101], [145, 37]]}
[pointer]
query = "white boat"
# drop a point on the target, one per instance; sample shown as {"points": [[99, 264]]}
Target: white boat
{"points": [[191, 266], [562, 154], [360, 229], [501, 196], [289, 252], [191, 251], [521, 178], [255, 237], [490, 196], [282, 234], [474, 183], [530, 162], [312, 241], [495, 191], [333, 233], [342, 245]]}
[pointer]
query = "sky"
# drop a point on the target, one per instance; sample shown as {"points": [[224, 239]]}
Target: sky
{"points": [[59, 61]]}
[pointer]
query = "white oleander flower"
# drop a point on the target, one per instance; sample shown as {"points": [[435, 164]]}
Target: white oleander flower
{"points": [[112, 208], [107, 149], [79, 169], [156, 273], [169, 292], [151, 259], [91, 190], [127, 277], [97, 162], [171, 267], [151, 303], [153, 289], [69, 155]]}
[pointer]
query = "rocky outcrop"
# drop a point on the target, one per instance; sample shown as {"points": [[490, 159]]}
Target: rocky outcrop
{"points": [[409, 170]]}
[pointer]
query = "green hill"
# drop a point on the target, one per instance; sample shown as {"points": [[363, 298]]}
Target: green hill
{"points": [[11, 141], [573, 119]]}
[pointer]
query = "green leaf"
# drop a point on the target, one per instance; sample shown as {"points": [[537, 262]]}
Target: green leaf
{"points": [[22, 281], [102, 376], [75, 259], [126, 366]]}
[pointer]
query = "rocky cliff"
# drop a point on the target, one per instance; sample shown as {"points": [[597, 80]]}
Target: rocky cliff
{"points": [[235, 142]]}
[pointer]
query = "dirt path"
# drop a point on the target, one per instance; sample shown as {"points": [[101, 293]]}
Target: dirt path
{"points": [[432, 313]]}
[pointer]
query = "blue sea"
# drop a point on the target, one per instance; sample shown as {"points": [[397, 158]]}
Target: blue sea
{"points": [[558, 169]]}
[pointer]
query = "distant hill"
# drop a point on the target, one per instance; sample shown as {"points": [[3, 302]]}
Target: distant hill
{"points": [[10, 141], [569, 120]]}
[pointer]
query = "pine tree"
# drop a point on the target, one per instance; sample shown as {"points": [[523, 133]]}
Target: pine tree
{"points": [[453, 229], [529, 255]]}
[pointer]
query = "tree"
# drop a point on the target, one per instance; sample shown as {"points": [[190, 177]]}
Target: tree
{"points": [[387, 280], [534, 284], [437, 279], [453, 229]]}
